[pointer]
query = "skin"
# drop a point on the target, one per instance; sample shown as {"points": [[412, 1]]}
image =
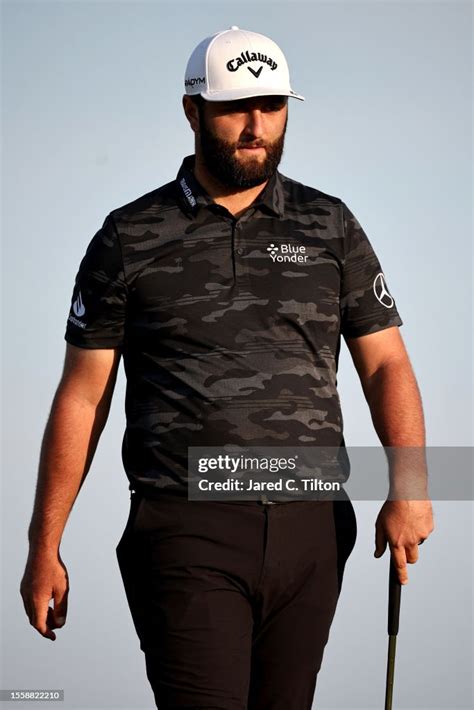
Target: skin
{"points": [[83, 397], [246, 123], [394, 400]]}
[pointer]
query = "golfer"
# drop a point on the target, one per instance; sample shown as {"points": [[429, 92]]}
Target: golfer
{"points": [[226, 291]]}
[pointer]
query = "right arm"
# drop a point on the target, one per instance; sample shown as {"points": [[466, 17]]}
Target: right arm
{"points": [[78, 415]]}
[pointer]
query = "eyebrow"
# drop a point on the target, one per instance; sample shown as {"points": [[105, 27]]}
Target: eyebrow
{"points": [[243, 103]]}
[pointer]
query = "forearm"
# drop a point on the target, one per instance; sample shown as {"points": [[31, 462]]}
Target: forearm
{"points": [[396, 408], [70, 439]]}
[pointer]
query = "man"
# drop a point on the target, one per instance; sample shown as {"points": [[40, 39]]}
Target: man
{"points": [[227, 341]]}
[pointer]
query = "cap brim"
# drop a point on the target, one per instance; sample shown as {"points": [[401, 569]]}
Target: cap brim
{"points": [[235, 94]]}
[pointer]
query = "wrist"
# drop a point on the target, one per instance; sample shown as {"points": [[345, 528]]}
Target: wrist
{"points": [[43, 546]]}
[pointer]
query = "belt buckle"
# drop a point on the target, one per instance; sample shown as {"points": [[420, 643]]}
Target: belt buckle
{"points": [[264, 500]]}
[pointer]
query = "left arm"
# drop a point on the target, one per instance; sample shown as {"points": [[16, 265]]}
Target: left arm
{"points": [[390, 387], [392, 393]]}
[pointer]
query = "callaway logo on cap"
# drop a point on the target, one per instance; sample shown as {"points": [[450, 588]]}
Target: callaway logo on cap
{"points": [[238, 64]]}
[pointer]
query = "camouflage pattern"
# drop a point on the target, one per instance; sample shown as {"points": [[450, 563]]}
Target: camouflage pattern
{"points": [[223, 344]]}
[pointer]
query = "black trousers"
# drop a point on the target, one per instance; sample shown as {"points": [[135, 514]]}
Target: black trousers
{"points": [[233, 601]]}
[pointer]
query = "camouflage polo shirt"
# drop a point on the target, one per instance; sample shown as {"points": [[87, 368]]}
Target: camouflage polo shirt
{"points": [[229, 329]]}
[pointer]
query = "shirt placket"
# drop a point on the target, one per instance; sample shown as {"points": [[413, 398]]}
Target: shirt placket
{"points": [[240, 253]]}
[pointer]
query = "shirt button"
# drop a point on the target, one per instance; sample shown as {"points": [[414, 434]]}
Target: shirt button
{"points": [[239, 251]]}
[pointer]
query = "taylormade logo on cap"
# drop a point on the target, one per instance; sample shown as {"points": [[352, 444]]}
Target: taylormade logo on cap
{"points": [[217, 67]]}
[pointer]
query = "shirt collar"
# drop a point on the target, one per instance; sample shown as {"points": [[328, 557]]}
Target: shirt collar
{"points": [[192, 196]]}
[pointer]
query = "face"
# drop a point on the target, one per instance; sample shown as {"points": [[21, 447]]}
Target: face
{"points": [[241, 142]]}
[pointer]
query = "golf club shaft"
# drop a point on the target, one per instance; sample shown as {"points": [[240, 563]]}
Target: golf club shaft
{"points": [[392, 645]]}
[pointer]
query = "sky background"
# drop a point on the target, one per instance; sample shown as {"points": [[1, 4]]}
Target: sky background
{"points": [[92, 119]]}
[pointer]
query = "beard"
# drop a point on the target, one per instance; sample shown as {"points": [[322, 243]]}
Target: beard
{"points": [[219, 158]]}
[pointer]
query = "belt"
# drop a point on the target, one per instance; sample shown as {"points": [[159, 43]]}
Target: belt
{"points": [[160, 493]]}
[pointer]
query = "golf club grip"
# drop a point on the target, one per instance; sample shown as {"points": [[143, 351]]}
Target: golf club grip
{"points": [[394, 595]]}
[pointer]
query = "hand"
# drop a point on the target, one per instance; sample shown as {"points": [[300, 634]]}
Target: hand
{"points": [[403, 524], [45, 578]]}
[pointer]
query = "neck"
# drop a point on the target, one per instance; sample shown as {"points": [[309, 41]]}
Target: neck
{"points": [[236, 200]]}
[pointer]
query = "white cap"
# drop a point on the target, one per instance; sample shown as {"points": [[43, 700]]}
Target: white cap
{"points": [[238, 64]]}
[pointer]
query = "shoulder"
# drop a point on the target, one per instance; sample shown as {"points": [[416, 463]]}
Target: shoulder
{"points": [[298, 195], [148, 206]]}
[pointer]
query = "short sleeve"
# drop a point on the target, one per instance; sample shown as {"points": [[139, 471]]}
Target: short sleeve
{"points": [[99, 298], [366, 304]]}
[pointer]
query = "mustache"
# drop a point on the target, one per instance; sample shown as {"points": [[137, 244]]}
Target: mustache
{"points": [[251, 144]]}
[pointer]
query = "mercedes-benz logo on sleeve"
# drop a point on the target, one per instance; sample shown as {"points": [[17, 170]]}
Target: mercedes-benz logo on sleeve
{"points": [[381, 291]]}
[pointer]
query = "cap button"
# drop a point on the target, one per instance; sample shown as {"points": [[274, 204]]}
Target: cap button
{"points": [[234, 27]]}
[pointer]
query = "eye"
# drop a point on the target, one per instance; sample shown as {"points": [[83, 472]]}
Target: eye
{"points": [[230, 107], [275, 104], [236, 107]]}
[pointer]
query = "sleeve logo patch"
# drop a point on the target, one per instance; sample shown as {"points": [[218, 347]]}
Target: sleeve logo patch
{"points": [[381, 291], [78, 306], [78, 309]]}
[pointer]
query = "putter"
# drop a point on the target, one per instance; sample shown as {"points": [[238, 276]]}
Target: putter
{"points": [[394, 596]]}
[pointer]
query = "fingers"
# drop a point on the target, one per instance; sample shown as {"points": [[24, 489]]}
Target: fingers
{"points": [[403, 525], [411, 552], [400, 562], [41, 618], [403, 555], [51, 620], [380, 541], [60, 608], [25, 603]]}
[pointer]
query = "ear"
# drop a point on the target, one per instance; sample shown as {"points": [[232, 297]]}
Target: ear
{"points": [[192, 113]]}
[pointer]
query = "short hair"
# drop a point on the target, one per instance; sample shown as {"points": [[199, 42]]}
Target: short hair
{"points": [[199, 103], [197, 100]]}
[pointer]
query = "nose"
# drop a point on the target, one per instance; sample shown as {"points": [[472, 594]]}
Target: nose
{"points": [[254, 125]]}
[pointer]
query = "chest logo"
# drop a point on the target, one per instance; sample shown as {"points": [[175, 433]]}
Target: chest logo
{"points": [[287, 253]]}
